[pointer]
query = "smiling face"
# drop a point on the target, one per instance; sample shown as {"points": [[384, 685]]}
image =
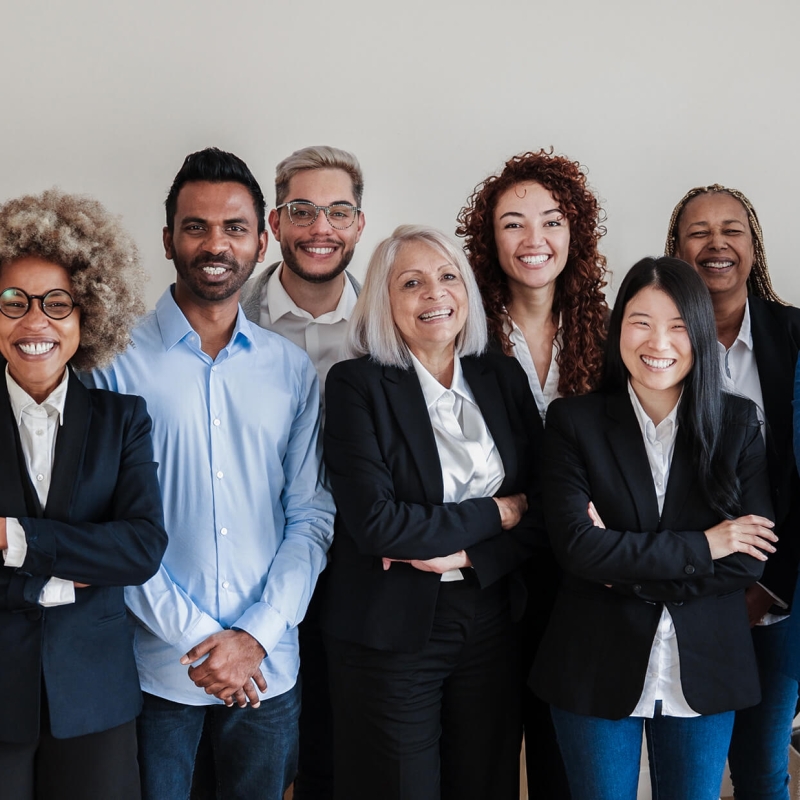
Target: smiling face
{"points": [[714, 236], [428, 300], [36, 347], [655, 348], [532, 237], [319, 252], [215, 242]]}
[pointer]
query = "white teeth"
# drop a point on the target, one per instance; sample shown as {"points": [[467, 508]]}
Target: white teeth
{"points": [[658, 363], [444, 312], [319, 251], [36, 348], [717, 264], [213, 270], [533, 261]]}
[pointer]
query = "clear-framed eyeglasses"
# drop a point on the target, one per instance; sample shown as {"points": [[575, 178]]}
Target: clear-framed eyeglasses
{"points": [[340, 215], [16, 303]]}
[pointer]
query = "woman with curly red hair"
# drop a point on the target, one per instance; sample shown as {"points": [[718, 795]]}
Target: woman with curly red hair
{"points": [[531, 235]]}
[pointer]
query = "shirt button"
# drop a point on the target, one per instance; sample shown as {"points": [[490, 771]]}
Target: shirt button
{"points": [[40, 432], [213, 369], [689, 569], [225, 584], [40, 477], [217, 422], [219, 474], [224, 531]]}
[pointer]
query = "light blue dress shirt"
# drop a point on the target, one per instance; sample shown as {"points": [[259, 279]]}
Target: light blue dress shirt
{"points": [[249, 521]]}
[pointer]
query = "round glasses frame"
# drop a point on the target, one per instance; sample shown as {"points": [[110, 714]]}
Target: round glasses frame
{"points": [[306, 205], [15, 303]]}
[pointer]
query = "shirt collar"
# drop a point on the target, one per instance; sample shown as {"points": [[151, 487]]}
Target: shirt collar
{"points": [[20, 400], [432, 390], [745, 335], [280, 303], [175, 327], [667, 427]]}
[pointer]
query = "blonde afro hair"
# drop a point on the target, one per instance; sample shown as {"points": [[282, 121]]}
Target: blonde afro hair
{"points": [[107, 279]]}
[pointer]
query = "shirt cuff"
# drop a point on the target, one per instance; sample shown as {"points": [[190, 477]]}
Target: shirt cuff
{"points": [[57, 592], [778, 602], [14, 556]]}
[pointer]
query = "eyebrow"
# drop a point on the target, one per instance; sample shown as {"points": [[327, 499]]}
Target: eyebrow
{"points": [[334, 203], [543, 214], [416, 271], [203, 221], [724, 222], [649, 316]]}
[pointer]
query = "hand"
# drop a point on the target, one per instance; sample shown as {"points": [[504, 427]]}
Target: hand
{"points": [[511, 508], [440, 565], [232, 670], [80, 585], [758, 601], [751, 535], [595, 517], [3, 534]]}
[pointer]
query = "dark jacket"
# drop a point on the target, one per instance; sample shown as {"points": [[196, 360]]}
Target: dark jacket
{"points": [[103, 525]]}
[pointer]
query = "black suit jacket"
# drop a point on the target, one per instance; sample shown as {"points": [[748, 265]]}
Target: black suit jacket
{"points": [[594, 655], [776, 341], [386, 478], [103, 525]]}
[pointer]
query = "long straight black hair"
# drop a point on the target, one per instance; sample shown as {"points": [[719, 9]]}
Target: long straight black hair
{"points": [[702, 412]]}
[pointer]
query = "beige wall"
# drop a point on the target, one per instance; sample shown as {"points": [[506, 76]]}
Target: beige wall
{"points": [[107, 98]]}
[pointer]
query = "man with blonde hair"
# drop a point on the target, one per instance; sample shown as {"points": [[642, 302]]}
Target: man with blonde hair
{"points": [[308, 298]]}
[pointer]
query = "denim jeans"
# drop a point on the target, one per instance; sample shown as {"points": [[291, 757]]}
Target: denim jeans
{"points": [[759, 754], [255, 749], [687, 755]]}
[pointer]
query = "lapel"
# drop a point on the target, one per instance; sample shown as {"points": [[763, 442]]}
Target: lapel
{"points": [[407, 402], [70, 446], [493, 406], [625, 440], [17, 495]]}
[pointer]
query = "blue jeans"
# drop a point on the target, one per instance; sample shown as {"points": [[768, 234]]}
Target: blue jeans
{"points": [[759, 754], [687, 755], [255, 749]]}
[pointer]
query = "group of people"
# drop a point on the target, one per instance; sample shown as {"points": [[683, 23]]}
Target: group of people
{"points": [[529, 514]]}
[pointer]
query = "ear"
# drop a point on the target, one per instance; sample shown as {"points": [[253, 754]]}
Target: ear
{"points": [[274, 221], [263, 239], [166, 237], [362, 221]]}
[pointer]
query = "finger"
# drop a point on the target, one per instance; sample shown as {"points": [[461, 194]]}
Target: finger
{"points": [[387, 562], [239, 697], [757, 520], [198, 651], [252, 693], [260, 680]]}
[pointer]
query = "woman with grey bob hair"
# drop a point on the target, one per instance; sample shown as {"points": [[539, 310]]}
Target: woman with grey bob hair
{"points": [[430, 444]]}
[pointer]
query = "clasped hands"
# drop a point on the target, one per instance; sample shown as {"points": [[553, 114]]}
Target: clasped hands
{"points": [[511, 509], [232, 670]]}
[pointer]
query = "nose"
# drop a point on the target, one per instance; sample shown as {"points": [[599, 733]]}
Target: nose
{"points": [[717, 241], [35, 319], [535, 236], [321, 223], [659, 339], [434, 290], [216, 241]]}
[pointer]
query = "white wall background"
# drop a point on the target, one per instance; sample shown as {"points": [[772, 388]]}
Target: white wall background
{"points": [[107, 99]]}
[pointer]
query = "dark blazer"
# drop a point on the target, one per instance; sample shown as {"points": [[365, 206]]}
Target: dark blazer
{"points": [[594, 655], [776, 341], [386, 478], [103, 525]]}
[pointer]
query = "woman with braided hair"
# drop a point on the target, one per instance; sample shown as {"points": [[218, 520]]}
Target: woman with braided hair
{"points": [[717, 231], [531, 235]]}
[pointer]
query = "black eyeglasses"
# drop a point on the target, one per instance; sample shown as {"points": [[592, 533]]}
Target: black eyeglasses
{"points": [[340, 215], [16, 303]]}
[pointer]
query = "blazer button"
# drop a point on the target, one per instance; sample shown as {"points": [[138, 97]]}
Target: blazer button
{"points": [[689, 569], [637, 588], [677, 603]]}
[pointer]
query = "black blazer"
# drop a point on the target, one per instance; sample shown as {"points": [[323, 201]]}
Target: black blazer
{"points": [[103, 525], [776, 341], [594, 655], [386, 478]]}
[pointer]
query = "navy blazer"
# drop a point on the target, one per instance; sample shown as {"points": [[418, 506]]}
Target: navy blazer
{"points": [[103, 525], [386, 479], [594, 654], [776, 341]]}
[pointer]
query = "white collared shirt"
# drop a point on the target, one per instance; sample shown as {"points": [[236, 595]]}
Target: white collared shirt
{"points": [[321, 337], [543, 395], [471, 464], [663, 677], [38, 428]]}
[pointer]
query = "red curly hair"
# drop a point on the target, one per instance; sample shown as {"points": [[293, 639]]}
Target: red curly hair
{"points": [[579, 299]]}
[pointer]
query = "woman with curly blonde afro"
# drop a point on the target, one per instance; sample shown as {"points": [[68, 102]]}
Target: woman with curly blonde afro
{"points": [[531, 235], [80, 506]]}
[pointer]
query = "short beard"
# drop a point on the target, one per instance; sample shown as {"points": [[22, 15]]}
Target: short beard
{"points": [[240, 272], [311, 277]]}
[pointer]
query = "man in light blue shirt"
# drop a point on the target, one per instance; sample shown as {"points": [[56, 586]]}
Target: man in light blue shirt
{"points": [[235, 426]]}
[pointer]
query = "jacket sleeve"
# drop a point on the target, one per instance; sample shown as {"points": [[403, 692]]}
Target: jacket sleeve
{"points": [[126, 548], [380, 523]]}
